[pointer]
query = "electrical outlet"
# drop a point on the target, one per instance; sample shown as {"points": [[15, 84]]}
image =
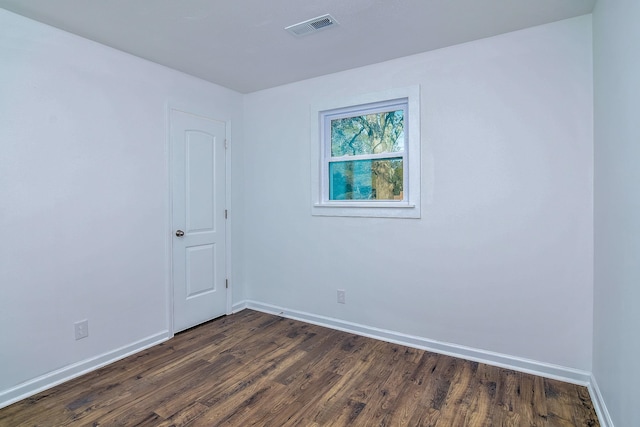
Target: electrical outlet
{"points": [[82, 329], [341, 296]]}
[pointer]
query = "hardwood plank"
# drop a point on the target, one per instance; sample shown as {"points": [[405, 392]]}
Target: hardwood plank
{"points": [[287, 408], [584, 413], [559, 414], [236, 407], [380, 408], [413, 396], [255, 369], [185, 415], [455, 408], [128, 405], [335, 400], [184, 391], [482, 396]]}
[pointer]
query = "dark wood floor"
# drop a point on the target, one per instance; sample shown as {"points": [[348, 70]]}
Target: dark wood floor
{"points": [[254, 369]]}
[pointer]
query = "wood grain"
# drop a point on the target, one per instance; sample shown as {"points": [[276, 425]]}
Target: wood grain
{"points": [[255, 369]]}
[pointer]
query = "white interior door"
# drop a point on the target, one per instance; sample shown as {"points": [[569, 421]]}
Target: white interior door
{"points": [[198, 169]]}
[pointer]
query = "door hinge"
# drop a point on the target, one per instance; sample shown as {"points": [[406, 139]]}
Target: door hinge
{"points": [[226, 144], [226, 283], [226, 214]]}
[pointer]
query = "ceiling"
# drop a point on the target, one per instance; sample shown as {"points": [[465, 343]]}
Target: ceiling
{"points": [[242, 44]]}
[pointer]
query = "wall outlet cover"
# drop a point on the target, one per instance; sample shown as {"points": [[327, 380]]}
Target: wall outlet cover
{"points": [[81, 329]]}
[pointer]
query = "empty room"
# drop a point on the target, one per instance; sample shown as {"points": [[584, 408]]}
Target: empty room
{"points": [[413, 213]]}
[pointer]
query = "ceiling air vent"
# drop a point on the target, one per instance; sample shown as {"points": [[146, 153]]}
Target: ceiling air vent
{"points": [[312, 25]]}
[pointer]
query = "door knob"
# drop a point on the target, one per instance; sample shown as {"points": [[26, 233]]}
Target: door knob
{"points": [[179, 233]]}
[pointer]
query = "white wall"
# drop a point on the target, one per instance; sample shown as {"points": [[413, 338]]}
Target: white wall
{"points": [[502, 257], [84, 198], [617, 208]]}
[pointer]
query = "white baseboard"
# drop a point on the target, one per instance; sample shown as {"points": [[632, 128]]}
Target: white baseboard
{"points": [[598, 402], [51, 379], [542, 369], [239, 306]]}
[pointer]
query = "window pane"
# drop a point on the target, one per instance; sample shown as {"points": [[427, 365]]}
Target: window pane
{"points": [[368, 134], [366, 180]]}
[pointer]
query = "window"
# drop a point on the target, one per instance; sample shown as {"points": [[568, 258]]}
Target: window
{"points": [[368, 157], [364, 152]]}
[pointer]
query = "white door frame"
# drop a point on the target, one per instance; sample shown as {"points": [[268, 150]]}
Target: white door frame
{"points": [[169, 211]]}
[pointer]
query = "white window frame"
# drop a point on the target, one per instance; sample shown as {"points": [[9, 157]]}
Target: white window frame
{"points": [[322, 112]]}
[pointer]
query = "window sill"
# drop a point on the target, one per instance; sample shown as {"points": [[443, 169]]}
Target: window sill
{"points": [[367, 209], [364, 205]]}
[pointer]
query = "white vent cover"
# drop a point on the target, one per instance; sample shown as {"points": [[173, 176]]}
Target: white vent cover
{"points": [[312, 25]]}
